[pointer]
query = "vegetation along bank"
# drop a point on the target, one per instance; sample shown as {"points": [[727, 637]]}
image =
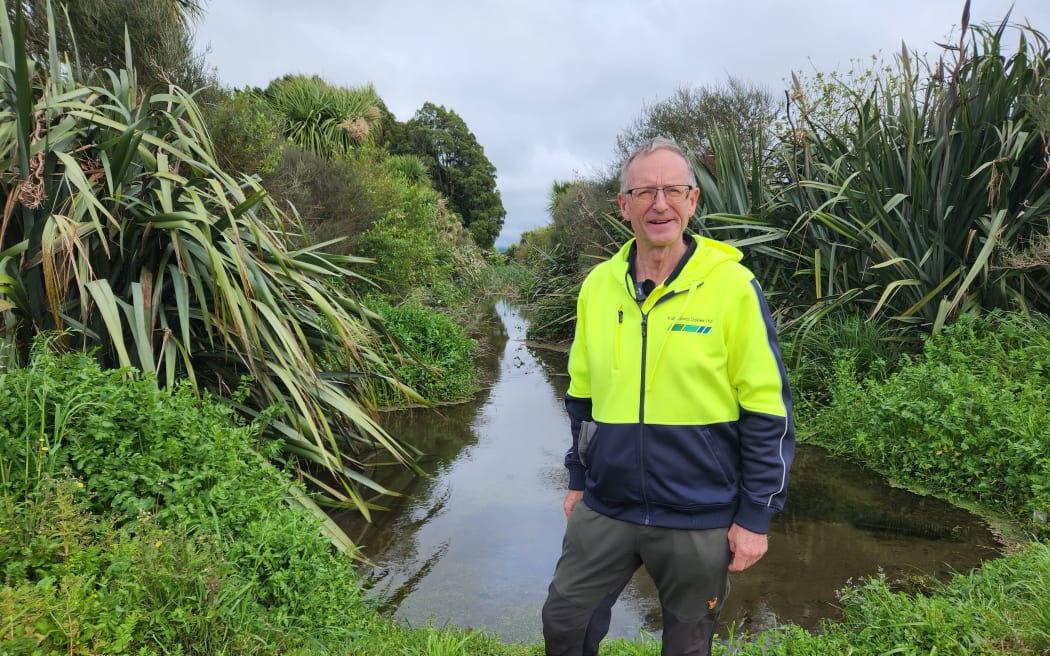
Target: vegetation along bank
{"points": [[207, 300]]}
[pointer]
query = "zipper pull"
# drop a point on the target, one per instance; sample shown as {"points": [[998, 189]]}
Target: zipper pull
{"points": [[619, 316]]}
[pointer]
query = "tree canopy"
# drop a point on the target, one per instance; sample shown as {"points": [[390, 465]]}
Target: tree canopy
{"points": [[692, 114], [458, 167]]}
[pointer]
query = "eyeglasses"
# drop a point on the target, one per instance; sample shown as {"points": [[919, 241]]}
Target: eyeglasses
{"points": [[672, 193]]}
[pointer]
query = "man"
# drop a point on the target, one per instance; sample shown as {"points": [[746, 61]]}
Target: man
{"points": [[682, 434]]}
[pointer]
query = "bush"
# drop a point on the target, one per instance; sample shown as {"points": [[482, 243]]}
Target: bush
{"points": [[812, 354], [80, 583], [970, 416], [332, 197], [421, 251], [438, 361], [245, 134], [143, 521]]}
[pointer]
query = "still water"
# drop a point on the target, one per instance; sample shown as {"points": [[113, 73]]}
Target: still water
{"points": [[475, 542]]}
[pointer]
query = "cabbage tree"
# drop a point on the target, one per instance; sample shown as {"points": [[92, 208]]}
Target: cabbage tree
{"points": [[326, 120]]}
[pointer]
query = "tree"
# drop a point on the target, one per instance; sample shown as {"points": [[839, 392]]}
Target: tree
{"points": [[459, 169], [690, 116], [159, 32]]}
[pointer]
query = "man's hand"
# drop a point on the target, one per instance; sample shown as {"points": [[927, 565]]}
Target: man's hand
{"points": [[572, 497], [747, 547]]}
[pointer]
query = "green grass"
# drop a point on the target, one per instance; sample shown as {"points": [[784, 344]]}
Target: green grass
{"points": [[1000, 608]]}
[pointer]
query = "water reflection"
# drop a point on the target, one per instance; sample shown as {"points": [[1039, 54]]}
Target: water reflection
{"points": [[475, 543]]}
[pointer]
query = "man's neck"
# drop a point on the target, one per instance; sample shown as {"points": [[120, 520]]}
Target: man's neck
{"points": [[657, 263]]}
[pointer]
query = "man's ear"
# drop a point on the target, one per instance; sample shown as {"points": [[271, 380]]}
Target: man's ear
{"points": [[622, 202]]}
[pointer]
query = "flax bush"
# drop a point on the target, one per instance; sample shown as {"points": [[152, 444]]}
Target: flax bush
{"points": [[123, 233]]}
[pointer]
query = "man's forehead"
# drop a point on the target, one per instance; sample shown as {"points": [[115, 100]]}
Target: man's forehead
{"points": [[663, 158]]}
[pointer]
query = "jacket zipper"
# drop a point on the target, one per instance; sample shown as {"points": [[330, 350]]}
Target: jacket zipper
{"points": [[641, 401], [641, 421]]}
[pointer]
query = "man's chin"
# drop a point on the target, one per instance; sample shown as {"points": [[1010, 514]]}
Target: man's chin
{"points": [[666, 235]]}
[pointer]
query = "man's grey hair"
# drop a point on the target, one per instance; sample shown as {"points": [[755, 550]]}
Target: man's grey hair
{"points": [[650, 146]]}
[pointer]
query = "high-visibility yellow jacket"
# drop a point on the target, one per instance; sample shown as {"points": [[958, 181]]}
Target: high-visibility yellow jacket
{"points": [[687, 392]]}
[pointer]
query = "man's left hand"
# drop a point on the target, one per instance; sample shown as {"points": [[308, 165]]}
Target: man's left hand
{"points": [[747, 547]]}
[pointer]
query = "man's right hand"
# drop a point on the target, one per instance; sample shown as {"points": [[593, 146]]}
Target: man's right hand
{"points": [[572, 497]]}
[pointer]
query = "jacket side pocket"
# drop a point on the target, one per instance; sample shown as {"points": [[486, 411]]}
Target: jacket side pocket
{"points": [[587, 430]]}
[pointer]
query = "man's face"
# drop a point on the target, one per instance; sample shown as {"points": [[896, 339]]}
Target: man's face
{"points": [[658, 222]]}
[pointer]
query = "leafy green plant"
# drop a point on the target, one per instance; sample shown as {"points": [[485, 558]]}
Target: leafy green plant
{"points": [[913, 210], [334, 200], [504, 277], [970, 614], [326, 120], [816, 353], [245, 134], [159, 526], [411, 168], [969, 416], [121, 231], [438, 359], [418, 245]]}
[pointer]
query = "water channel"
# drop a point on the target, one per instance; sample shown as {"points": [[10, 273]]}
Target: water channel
{"points": [[474, 543]]}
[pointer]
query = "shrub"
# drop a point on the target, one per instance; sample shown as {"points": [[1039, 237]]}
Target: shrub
{"points": [[245, 134], [420, 249], [970, 416], [137, 520], [813, 352], [438, 362], [331, 197]]}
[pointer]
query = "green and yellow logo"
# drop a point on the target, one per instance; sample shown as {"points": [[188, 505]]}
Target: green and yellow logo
{"points": [[690, 328]]}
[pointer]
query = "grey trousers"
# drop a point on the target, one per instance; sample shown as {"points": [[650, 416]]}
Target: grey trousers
{"points": [[599, 557]]}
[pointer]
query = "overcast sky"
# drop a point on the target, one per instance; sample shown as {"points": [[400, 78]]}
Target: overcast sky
{"points": [[546, 85]]}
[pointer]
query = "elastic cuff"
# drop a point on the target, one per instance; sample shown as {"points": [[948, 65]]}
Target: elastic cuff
{"points": [[754, 518], [577, 477]]}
